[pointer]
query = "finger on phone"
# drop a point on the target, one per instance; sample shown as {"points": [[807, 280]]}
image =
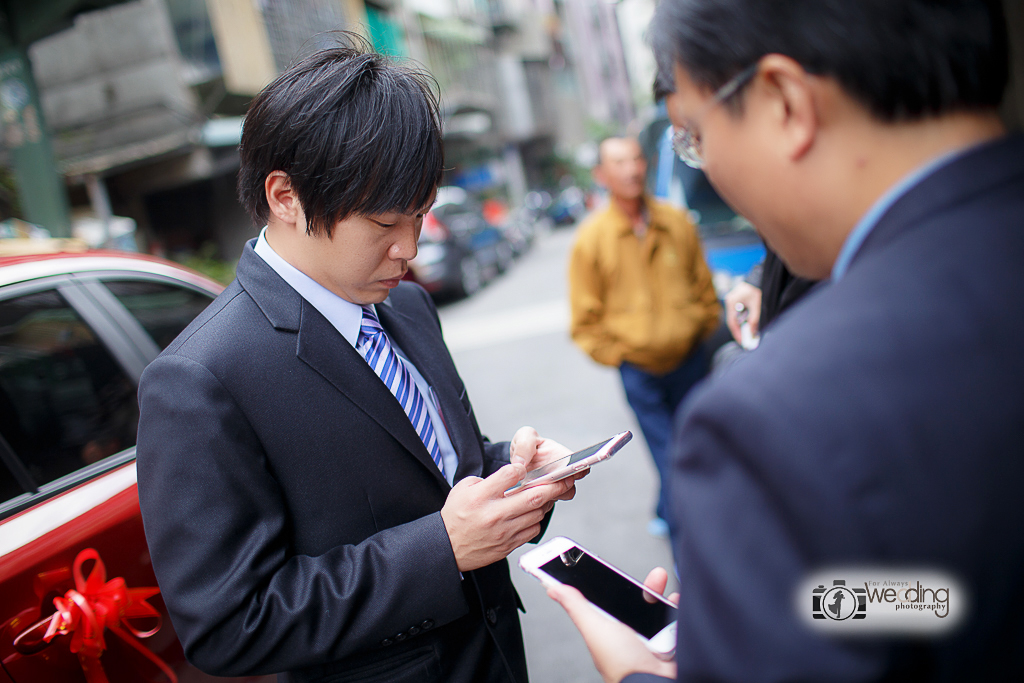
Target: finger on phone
{"points": [[657, 580], [504, 479]]}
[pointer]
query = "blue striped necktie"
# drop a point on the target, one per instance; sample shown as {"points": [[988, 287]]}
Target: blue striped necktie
{"points": [[374, 346]]}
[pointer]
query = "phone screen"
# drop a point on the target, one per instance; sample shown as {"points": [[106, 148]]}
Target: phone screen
{"points": [[563, 462], [586, 452], [610, 591]]}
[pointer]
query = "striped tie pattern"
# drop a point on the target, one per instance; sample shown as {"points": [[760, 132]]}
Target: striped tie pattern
{"points": [[374, 346]]}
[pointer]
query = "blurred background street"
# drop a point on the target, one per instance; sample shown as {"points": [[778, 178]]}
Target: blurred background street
{"points": [[512, 347], [120, 123]]}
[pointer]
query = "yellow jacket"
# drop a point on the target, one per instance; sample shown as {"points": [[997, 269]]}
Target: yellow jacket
{"points": [[649, 301]]}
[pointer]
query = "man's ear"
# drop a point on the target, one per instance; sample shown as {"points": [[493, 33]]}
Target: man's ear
{"points": [[790, 93], [597, 173], [282, 199]]}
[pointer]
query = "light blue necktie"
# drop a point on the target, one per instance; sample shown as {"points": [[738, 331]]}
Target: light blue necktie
{"points": [[374, 346]]}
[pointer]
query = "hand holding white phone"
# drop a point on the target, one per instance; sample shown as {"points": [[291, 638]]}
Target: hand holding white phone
{"points": [[572, 464], [616, 595]]}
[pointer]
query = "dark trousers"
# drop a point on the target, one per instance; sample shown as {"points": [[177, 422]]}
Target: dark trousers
{"points": [[654, 399]]}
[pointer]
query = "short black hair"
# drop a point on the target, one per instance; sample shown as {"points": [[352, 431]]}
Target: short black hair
{"points": [[664, 77], [902, 59], [355, 132]]}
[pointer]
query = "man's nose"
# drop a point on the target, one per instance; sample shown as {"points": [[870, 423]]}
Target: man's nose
{"points": [[404, 247]]}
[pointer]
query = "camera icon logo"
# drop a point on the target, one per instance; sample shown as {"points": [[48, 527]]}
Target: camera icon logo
{"points": [[839, 603]]}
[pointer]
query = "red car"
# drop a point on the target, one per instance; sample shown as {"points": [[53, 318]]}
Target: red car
{"points": [[76, 331]]}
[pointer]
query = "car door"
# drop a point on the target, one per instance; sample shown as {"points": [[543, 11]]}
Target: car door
{"points": [[71, 354]]}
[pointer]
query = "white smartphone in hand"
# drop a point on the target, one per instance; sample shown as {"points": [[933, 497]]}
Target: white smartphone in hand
{"points": [[611, 591], [572, 463]]}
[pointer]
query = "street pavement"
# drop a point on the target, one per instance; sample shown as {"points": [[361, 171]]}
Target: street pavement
{"points": [[511, 345]]}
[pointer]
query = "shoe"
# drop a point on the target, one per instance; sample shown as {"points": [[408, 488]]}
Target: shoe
{"points": [[658, 528]]}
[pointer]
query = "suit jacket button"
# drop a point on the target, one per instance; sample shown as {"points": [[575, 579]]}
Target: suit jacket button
{"points": [[386, 642], [427, 623], [413, 630], [492, 616], [399, 637]]}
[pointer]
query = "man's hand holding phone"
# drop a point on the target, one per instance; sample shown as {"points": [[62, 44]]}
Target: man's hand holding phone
{"points": [[550, 461], [532, 450], [614, 647], [484, 525]]}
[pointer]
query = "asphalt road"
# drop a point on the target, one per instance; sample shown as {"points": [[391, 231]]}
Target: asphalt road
{"points": [[511, 345]]}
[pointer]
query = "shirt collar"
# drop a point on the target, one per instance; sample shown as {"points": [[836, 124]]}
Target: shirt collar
{"points": [[869, 220], [625, 226], [345, 316]]}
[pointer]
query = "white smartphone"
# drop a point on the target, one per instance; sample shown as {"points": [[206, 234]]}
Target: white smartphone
{"points": [[572, 463], [611, 591]]}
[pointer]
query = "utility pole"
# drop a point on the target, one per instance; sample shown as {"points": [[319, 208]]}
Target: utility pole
{"points": [[41, 190]]}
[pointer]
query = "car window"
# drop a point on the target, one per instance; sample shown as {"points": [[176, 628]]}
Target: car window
{"points": [[9, 486], [64, 401], [163, 309]]}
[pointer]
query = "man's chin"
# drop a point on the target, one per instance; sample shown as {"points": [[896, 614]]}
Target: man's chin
{"points": [[807, 266]]}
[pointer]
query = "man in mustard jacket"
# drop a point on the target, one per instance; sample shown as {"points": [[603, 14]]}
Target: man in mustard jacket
{"points": [[642, 298]]}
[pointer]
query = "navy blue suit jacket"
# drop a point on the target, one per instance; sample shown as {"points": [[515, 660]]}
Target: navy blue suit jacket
{"points": [[292, 511], [881, 421]]}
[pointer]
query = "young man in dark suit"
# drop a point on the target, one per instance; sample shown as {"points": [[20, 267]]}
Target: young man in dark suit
{"points": [[880, 422], [317, 496]]}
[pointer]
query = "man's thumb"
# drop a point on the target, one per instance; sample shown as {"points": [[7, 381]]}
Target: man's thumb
{"points": [[568, 597], [507, 477]]}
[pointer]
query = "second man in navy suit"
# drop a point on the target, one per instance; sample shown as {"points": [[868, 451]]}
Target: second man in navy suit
{"points": [[880, 422]]}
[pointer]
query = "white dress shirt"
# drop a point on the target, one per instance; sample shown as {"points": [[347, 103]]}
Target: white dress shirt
{"points": [[346, 317]]}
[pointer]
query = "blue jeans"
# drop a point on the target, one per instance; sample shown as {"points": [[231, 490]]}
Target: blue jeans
{"points": [[654, 399]]}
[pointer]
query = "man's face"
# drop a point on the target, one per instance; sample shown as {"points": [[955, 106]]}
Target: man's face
{"points": [[366, 256], [746, 159], [623, 170], [728, 147]]}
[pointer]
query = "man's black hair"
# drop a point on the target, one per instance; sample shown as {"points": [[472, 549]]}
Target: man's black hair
{"points": [[902, 59], [664, 77], [356, 134]]}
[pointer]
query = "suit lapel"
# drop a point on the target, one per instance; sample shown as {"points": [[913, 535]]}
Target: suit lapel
{"points": [[323, 349], [423, 345]]}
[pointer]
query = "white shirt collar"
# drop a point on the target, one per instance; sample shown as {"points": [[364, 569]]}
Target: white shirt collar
{"points": [[344, 315]]}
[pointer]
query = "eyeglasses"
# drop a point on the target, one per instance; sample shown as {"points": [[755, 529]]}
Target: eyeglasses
{"points": [[685, 141]]}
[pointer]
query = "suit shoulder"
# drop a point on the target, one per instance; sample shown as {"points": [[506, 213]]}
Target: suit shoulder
{"points": [[411, 299], [233, 316], [210, 313]]}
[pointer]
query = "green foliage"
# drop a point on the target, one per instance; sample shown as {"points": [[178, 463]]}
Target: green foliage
{"points": [[10, 207], [599, 130], [206, 262], [555, 167]]}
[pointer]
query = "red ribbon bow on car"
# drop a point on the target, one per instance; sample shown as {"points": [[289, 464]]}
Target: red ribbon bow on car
{"points": [[94, 605]]}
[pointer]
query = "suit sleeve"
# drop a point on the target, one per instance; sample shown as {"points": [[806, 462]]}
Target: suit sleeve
{"points": [[586, 297], [496, 456], [750, 512], [219, 534]]}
